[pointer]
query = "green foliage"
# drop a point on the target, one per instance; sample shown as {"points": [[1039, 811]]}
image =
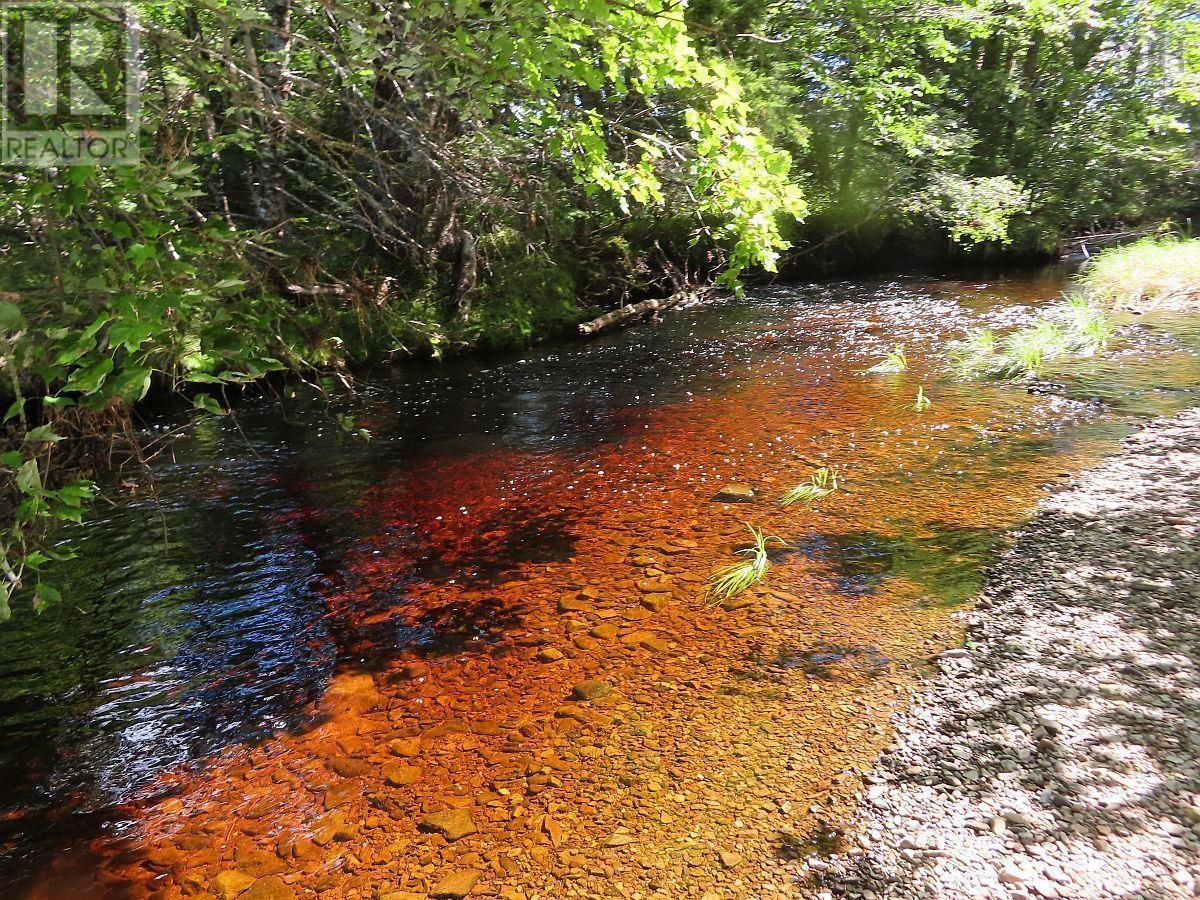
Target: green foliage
{"points": [[896, 361], [975, 210], [530, 296], [733, 579], [997, 123], [1074, 326], [820, 484], [922, 401]]}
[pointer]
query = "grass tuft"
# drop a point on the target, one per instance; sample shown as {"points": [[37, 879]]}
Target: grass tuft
{"points": [[733, 579], [895, 361], [820, 484], [1076, 326], [922, 402]]}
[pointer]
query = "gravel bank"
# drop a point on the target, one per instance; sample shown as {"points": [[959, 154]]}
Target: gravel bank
{"points": [[1057, 755]]}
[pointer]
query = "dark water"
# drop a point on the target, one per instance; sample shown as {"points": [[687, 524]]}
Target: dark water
{"points": [[198, 611]]}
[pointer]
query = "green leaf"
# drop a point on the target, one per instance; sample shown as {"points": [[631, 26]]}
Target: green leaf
{"points": [[76, 491], [43, 434], [29, 479], [46, 595], [35, 560], [89, 379], [132, 384], [11, 317], [206, 403]]}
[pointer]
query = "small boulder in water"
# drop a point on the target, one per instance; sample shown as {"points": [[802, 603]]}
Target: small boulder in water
{"points": [[229, 884], [591, 689], [451, 824], [272, 888], [735, 493], [456, 884]]}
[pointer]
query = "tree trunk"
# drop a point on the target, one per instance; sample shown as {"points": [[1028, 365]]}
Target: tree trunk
{"points": [[272, 86], [467, 263], [635, 311]]}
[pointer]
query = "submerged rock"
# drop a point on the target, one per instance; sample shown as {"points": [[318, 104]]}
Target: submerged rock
{"points": [[656, 602], [406, 747], [456, 884], [452, 824], [573, 603], [400, 775], [591, 689], [738, 601], [271, 888], [351, 692], [730, 859], [736, 492], [605, 632], [348, 766], [229, 884]]}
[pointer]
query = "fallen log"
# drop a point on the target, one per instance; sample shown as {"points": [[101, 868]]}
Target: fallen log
{"points": [[634, 311]]}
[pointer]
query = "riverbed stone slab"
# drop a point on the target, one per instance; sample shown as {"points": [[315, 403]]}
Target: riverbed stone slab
{"points": [[456, 885], [735, 492], [230, 884], [452, 824]]}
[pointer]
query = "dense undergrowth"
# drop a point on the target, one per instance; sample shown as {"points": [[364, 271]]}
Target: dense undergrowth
{"points": [[323, 186]]}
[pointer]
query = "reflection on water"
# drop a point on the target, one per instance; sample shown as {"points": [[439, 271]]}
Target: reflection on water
{"points": [[277, 548]]}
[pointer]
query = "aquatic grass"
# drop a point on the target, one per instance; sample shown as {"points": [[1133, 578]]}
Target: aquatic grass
{"points": [[922, 402], [733, 579], [1162, 272], [1087, 324], [820, 484], [1076, 326], [895, 361], [975, 355], [1029, 349]]}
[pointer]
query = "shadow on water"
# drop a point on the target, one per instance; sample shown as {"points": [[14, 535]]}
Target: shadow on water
{"points": [[831, 661], [948, 564]]}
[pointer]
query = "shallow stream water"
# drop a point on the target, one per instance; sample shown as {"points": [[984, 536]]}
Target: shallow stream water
{"points": [[296, 646]]}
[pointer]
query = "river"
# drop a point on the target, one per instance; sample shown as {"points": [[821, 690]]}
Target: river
{"points": [[289, 649]]}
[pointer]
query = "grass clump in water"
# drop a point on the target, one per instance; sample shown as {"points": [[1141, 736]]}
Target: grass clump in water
{"points": [[733, 579], [1161, 272], [922, 402], [895, 361], [1076, 326], [820, 484]]}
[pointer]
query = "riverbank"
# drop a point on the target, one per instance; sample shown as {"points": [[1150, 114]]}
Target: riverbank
{"points": [[1056, 755], [1153, 274]]}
